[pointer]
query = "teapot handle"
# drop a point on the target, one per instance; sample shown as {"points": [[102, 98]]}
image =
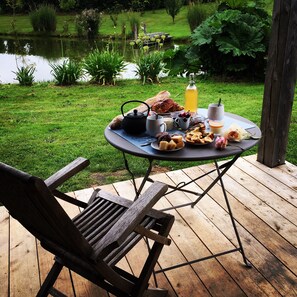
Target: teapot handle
{"points": [[148, 108]]}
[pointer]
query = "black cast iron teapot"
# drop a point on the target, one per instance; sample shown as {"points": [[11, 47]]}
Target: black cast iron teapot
{"points": [[134, 122]]}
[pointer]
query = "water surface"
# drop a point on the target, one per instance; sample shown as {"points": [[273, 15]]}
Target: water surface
{"points": [[40, 52]]}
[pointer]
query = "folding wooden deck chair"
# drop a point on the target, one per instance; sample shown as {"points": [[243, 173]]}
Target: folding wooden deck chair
{"points": [[92, 243]]}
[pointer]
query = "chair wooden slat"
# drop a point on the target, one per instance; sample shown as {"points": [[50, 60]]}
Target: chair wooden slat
{"points": [[131, 218]]}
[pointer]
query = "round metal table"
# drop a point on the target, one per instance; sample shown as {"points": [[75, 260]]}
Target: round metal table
{"points": [[190, 153]]}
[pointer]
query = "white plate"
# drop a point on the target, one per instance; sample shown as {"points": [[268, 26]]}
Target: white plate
{"points": [[198, 143], [155, 146]]}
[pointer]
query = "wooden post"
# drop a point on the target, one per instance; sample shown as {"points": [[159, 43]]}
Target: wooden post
{"points": [[280, 84]]}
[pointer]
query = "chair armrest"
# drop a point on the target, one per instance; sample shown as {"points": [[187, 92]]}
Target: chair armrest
{"points": [[149, 234], [66, 172], [129, 220]]}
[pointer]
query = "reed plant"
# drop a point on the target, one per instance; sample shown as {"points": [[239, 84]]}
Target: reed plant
{"points": [[134, 22], [25, 75], [197, 13], [149, 66], [44, 19], [67, 73], [104, 66], [148, 57]]}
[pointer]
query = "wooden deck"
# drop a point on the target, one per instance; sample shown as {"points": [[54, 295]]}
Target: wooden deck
{"points": [[264, 203]]}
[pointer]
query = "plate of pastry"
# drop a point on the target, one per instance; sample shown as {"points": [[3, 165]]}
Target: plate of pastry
{"points": [[198, 136]]}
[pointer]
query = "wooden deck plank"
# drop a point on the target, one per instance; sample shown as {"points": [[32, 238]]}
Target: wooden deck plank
{"points": [[4, 252], [273, 200], [287, 173], [192, 246], [211, 235], [23, 261], [264, 205], [270, 182], [278, 247]]}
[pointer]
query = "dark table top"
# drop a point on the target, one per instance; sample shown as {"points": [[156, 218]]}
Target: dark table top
{"points": [[189, 152]]}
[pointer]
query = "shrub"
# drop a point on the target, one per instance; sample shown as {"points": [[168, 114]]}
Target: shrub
{"points": [[232, 42], [149, 65], [87, 23], [44, 19], [104, 66], [67, 73], [196, 15], [25, 75]]}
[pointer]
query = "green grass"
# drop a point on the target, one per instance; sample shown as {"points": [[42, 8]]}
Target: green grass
{"points": [[44, 127], [180, 30]]}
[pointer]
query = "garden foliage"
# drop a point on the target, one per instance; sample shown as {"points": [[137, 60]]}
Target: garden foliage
{"points": [[104, 66], [25, 75], [231, 42], [67, 73], [149, 65], [88, 22], [148, 57]]}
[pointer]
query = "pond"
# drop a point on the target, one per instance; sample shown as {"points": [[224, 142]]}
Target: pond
{"points": [[40, 52]]}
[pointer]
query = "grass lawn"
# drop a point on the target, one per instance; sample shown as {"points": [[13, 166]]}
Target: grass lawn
{"points": [[179, 30], [44, 127]]}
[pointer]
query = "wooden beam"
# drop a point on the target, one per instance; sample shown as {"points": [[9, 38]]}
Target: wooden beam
{"points": [[280, 84]]}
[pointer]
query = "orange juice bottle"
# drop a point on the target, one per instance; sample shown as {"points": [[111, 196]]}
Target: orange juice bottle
{"points": [[191, 96]]}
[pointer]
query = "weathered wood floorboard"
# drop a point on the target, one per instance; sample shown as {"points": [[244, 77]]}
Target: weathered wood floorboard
{"points": [[264, 204]]}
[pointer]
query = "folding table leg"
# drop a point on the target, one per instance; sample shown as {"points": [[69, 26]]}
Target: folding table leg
{"points": [[241, 250]]}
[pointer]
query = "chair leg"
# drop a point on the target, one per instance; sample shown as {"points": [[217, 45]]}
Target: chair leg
{"points": [[155, 292], [50, 280]]}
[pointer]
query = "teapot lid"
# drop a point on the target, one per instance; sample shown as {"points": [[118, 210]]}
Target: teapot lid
{"points": [[135, 115]]}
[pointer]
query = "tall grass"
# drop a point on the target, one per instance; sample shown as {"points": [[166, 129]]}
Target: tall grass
{"points": [[197, 13], [44, 19]]}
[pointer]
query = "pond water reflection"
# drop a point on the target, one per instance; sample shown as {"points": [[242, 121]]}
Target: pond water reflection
{"points": [[16, 52]]}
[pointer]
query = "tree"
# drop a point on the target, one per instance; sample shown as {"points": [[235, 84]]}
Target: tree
{"points": [[173, 7], [67, 5], [14, 4]]}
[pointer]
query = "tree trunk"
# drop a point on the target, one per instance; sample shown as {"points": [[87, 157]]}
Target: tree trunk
{"points": [[280, 84]]}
